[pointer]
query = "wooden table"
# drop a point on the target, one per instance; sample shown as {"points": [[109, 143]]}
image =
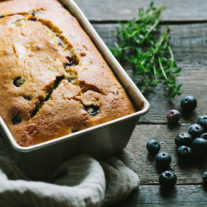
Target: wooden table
{"points": [[188, 21]]}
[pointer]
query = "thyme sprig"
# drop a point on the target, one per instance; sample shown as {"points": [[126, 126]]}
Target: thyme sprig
{"points": [[148, 51]]}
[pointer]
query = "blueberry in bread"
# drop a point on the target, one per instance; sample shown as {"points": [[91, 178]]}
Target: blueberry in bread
{"points": [[53, 79]]}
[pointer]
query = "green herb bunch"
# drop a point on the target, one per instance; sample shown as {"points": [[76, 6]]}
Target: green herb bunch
{"points": [[148, 51]]}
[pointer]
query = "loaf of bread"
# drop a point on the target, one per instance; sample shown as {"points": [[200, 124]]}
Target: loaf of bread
{"points": [[53, 79]]}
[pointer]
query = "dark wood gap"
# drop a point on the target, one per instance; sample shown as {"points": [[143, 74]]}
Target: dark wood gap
{"points": [[179, 184], [161, 123], [153, 195], [164, 22], [136, 155]]}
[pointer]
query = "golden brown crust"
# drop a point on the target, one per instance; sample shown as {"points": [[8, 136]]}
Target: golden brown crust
{"points": [[53, 79]]}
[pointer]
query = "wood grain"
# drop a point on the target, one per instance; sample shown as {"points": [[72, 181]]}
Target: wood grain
{"points": [[188, 41], [189, 44], [144, 165], [113, 10], [194, 83], [153, 196]]}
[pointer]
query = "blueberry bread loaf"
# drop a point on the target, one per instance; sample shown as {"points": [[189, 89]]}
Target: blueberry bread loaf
{"points": [[53, 79]]}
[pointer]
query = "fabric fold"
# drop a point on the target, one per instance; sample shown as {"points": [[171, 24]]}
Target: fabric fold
{"points": [[80, 182]]}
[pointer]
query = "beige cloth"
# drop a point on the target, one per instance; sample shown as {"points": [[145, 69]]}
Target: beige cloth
{"points": [[79, 182]]}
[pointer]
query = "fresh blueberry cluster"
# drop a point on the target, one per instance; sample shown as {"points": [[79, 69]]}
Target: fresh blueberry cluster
{"points": [[189, 144], [187, 105], [163, 160], [194, 142]]}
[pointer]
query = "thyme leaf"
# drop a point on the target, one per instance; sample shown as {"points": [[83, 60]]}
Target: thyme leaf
{"points": [[148, 50]]}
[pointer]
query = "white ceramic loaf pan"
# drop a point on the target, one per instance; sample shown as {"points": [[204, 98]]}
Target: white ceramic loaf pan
{"points": [[100, 141]]}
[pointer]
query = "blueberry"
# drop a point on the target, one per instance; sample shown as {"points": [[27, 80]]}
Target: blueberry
{"points": [[188, 103], [173, 116], [33, 18], [204, 135], [71, 61], [163, 159], [92, 110], [28, 98], [18, 81], [183, 138], [195, 130], [153, 146], [202, 120], [67, 65], [184, 152], [199, 146], [204, 176], [167, 179], [16, 120], [60, 43]]}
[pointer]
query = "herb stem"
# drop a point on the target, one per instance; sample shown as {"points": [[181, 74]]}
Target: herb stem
{"points": [[171, 53], [161, 67], [148, 51], [150, 30]]}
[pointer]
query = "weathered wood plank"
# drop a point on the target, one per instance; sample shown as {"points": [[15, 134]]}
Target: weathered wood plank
{"points": [[151, 195], [144, 165], [107, 10], [189, 44], [194, 83], [188, 41]]}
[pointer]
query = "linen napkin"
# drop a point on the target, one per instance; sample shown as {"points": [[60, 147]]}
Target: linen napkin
{"points": [[80, 182]]}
